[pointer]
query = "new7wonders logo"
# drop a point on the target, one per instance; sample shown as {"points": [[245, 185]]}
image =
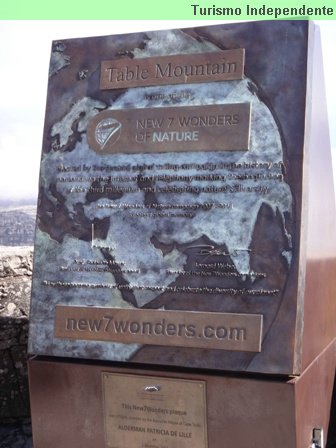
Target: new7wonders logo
{"points": [[107, 132], [104, 132]]}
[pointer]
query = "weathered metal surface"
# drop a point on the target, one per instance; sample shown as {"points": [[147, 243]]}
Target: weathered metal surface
{"points": [[173, 69], [68, 410], [320, 243], [145, 411], [194, 231], [222, 331]]}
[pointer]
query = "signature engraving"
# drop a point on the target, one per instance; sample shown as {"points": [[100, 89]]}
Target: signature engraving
{"points": [[96, 245], [208, 249]]}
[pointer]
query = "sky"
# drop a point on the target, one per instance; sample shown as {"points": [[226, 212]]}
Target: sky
{"points": [[24, 54]]}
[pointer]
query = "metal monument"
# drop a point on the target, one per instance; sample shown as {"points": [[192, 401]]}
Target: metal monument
{"points": [[186, 224]]}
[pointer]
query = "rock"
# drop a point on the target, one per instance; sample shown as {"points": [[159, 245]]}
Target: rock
{"points": [[15, 287], [16, 435], [16, 261]]}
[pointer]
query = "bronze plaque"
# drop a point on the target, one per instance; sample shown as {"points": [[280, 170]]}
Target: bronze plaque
{"points": [[159, 207], [174, 69], [241, 332], [220, 127], [154, 412]]}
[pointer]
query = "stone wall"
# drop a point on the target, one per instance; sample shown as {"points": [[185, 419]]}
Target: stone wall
{"points": [[15, 287]]}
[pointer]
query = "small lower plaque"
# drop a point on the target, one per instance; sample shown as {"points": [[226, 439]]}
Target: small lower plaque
{"points": [[154, 412]]}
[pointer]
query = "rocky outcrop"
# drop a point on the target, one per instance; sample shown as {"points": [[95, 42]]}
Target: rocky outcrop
{"points": [[15, 287]]}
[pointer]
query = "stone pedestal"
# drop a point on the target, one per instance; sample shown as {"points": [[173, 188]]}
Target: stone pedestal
{"points": [[68, 406]]}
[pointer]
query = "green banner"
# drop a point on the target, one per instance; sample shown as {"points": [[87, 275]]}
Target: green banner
{"points": [[168, 10]]}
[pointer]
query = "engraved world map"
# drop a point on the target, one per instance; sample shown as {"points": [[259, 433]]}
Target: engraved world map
{"points": [[160, 230]]}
